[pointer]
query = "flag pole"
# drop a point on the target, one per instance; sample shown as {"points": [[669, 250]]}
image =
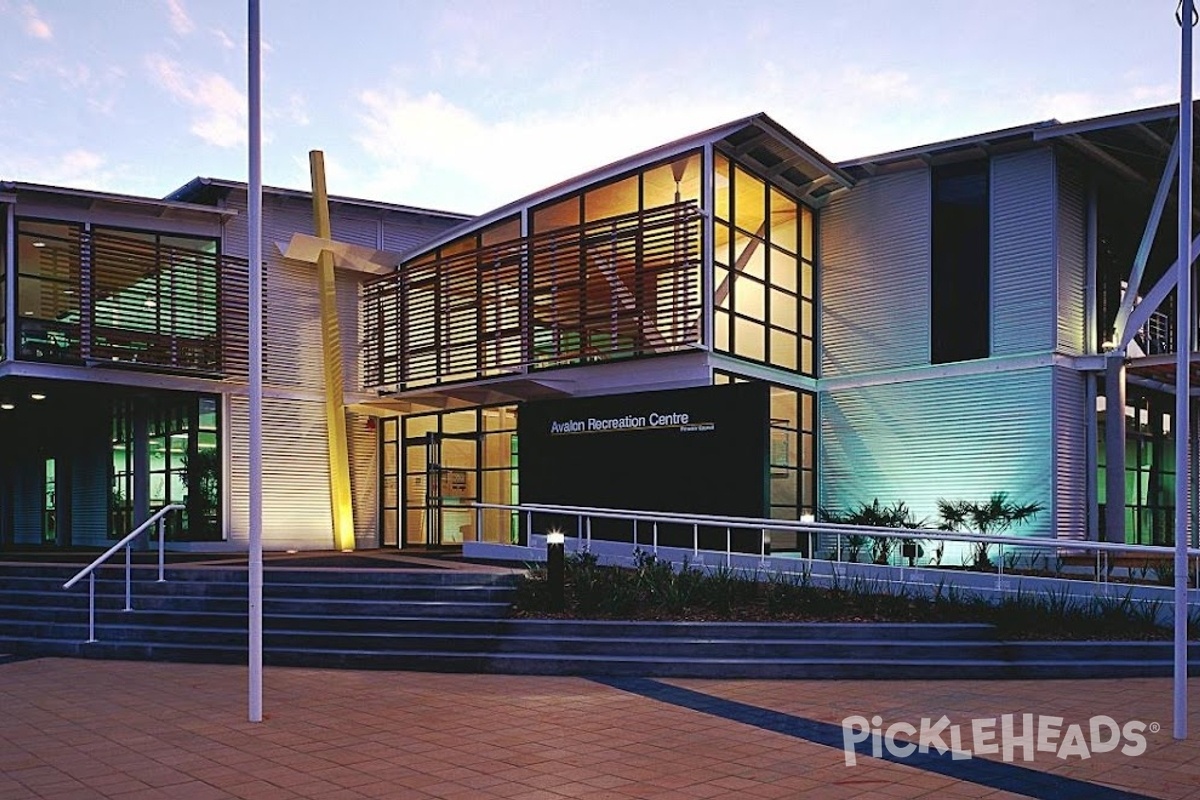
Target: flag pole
{"points": [[1183, 366], [254, 222]]}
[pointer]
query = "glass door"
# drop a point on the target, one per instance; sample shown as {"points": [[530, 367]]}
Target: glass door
{"points": [[450, 487]]}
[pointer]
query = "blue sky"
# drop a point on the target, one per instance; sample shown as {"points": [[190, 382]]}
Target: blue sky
{"points": [[466, 105]]}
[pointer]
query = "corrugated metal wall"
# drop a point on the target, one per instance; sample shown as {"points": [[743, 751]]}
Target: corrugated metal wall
{"points": [[959, 437], [90, 455], [296, 504], [1072, 258], [875, 276], [1070, 454], [1023, 191], [361, 432]]}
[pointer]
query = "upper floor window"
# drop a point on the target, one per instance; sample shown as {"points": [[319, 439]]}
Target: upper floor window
{"points": [[113, 295], [763, 271], [960, 307]]}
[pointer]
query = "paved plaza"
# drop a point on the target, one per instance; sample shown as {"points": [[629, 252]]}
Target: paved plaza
{"points": [[141, 731]]}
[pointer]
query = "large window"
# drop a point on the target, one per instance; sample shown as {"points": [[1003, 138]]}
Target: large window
{"points": [[1149, 467], [150, 299], [435, 465], [48, 290], [764, 273], [609, 272], [183, 464], [960, 309]]}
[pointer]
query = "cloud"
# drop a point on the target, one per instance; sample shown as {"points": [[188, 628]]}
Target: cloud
{"points": [[223, 38], [430, 143], [218, 107], [181, 23], [78, 167], [34, 25]]}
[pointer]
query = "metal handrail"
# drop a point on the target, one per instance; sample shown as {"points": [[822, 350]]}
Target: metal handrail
{"points": [[89, 571], [763, 524]]}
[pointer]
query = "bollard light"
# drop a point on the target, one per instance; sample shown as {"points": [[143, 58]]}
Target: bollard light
{"points": [[555, 562]]}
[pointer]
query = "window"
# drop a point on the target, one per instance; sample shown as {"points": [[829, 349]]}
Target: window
{"points": [[183, 461], [960, 308], [763, 271]]}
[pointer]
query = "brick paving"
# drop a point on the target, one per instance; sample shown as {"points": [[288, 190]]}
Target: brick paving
{"points": [[139, 731]]}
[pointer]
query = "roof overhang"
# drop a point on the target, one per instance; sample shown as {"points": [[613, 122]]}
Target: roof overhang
{"points": [[491, 391], [756, 140], [92, 199], [1133, 145]]}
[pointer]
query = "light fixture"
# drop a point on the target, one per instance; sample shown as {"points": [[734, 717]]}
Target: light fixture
{"points": [[1108, 346], [807, 518], [37, 396], [39, 244], [150, 302], [554, 536], [6, 406]]}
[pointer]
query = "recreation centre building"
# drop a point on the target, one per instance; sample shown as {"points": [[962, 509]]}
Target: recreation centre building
{"points": [[728, 323]]}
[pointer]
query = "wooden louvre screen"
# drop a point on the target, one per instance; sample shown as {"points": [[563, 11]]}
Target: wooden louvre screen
{"points": [[613, 288], [158, 305]]}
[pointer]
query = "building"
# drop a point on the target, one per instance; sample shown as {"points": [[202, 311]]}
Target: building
{"points": [[943, 321]]}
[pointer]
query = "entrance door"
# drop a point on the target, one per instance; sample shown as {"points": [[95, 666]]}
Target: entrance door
{"points": [[449, 488]]}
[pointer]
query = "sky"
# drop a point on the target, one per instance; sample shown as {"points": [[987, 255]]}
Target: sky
{"points": [[464, 105]]}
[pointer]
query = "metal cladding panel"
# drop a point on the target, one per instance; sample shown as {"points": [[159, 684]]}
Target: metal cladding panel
{"points": [[295, 495], [401, 233], [364, 478], [958, 438], [1072, 258], [1070, 454], [350, 331], [1023, 253], [353, 228], [90, 456], [874, 279]]}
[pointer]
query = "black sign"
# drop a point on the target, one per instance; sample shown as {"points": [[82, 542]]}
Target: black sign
{"points": [[701, 451]]}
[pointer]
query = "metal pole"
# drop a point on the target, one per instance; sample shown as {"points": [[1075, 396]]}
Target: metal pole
{"points": [[1183, 351], [92, 606], [128, 605], [254, 222], [162, 522]]}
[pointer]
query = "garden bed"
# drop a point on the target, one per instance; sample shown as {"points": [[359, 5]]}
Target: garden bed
{"points": [[655, 590]]}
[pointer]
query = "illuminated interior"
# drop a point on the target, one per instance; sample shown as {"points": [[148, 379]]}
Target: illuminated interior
{"points": [[764, 273]]}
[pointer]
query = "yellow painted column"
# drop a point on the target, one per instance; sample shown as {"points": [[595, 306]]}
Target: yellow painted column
{"points": [[335, 410]]}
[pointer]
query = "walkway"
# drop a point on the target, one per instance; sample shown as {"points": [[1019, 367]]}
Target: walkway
{"points": [[133, 730]]}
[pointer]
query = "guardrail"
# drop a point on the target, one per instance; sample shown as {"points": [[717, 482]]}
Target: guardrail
{"points": [[89, 572], [584, 516]]}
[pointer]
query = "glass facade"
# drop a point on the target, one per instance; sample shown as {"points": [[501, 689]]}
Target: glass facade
{"points": [[116, 295], [764, 273], [610, 272], [435, 465], [183, 455], [1149, 467], [48, 290], [3, 282]]}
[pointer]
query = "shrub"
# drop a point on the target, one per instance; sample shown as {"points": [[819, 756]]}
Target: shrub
{"points": [[994, 515]]}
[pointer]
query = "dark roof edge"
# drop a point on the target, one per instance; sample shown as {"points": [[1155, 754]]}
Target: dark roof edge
{"points": [[198, 184], [113, 197]]}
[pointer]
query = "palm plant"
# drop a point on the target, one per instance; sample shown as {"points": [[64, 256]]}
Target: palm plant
{"points": [[995, 515]]}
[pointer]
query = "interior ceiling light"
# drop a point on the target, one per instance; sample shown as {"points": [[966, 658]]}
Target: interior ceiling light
{"points": [[6, 406], [37, 396], [39, 244]]}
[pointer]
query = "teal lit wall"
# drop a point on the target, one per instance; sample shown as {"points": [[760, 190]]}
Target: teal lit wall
{"points": [[960, 437]]}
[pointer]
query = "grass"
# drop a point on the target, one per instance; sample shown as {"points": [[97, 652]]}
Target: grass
{"points": [[654, 590]]}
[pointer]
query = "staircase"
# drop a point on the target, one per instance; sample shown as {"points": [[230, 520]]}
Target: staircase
{"points": [[448, 620]]}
